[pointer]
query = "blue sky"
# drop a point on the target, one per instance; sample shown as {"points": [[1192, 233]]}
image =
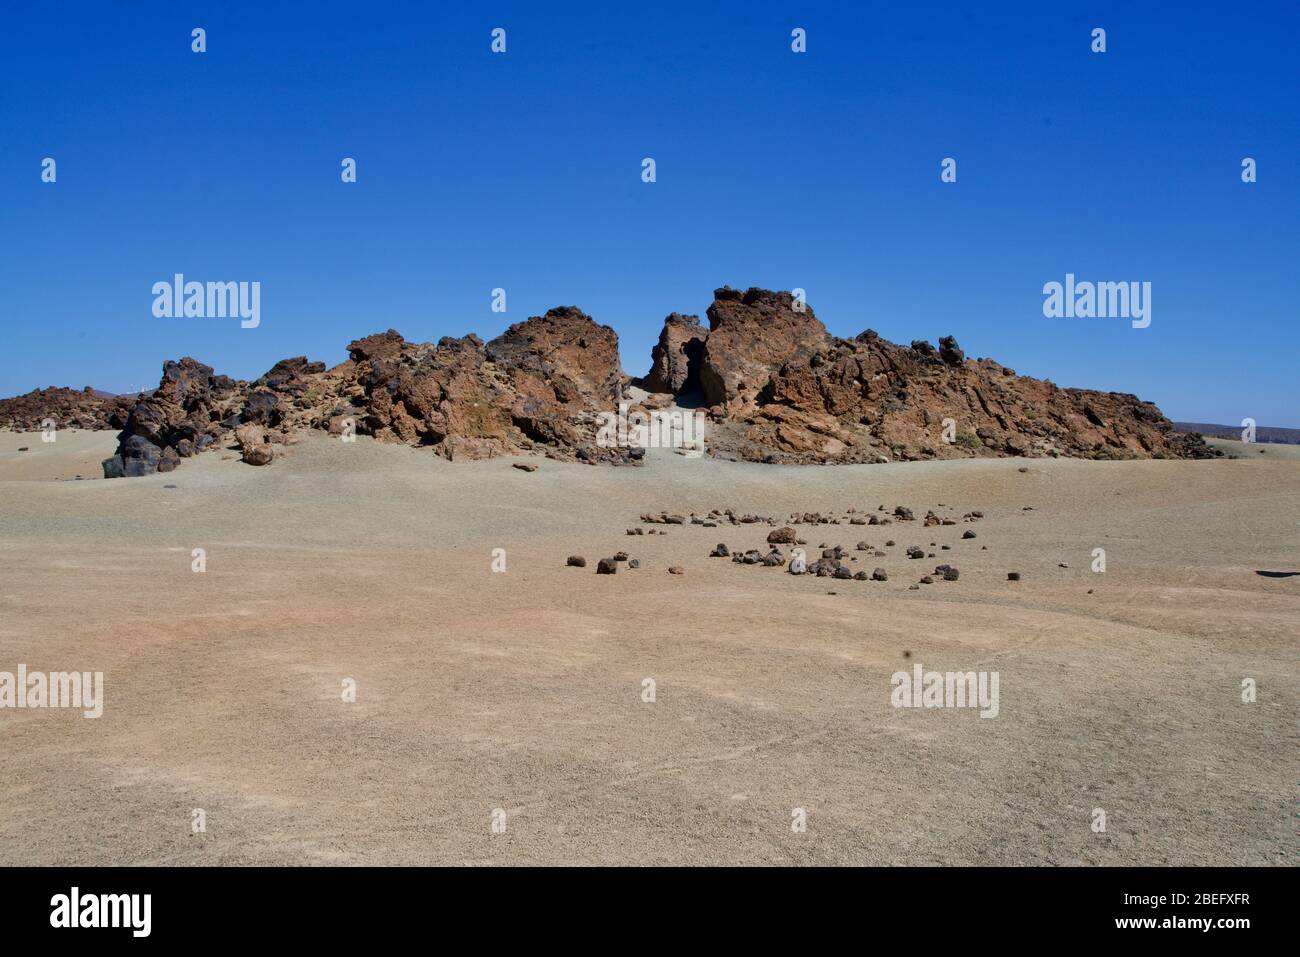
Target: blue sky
{"points": [[522, 171]]}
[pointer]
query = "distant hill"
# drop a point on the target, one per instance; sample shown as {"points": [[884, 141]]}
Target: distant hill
{"points": [[1263, 433]]}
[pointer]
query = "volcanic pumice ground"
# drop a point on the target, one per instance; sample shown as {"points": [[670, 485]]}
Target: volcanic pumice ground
{"points": [[522, 690]]}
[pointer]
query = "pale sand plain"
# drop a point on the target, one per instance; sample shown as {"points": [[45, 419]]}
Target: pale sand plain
{"points": [[522, 690]]}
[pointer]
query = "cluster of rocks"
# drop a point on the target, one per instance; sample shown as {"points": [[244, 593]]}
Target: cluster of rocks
{"points": [[609, 566], [835, 560], [194, 409], [831, 564], [540, 386], [851, 516], [775, 384]]}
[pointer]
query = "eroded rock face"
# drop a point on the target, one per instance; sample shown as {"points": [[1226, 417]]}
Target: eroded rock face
{"points": [[784, 390], [751, 335], [678, 357], [540, 384]]}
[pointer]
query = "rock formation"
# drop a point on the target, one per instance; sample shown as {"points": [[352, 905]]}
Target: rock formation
{"points": [[540, 385], [777, 385], [69, 408], [677, 358], [782, 389]]}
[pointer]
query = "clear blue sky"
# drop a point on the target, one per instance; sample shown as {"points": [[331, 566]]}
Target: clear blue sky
{"points": [[522, 171]]}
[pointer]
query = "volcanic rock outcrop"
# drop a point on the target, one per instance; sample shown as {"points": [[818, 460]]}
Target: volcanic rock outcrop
{"points": [[677, 358], [540, 385], [751, 335], [68, 408], [782, 389], [777, 385]]}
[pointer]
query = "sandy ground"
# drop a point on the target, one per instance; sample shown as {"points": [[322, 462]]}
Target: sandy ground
{"points": [[522, 690]]}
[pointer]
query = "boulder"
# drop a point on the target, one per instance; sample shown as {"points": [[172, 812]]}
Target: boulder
{"points": [[254, 444]]}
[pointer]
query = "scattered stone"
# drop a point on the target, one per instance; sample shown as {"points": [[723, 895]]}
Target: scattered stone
{"points": [[914, 552], [720, 552], [525, 466], [620, 556], [927, 580], [634, 563], [968, 534], [879, 575], [676, 570], [904, 514], [861, 575], [1013, 576], [781, 536], [798, 564], [842, 572], [577, 561], [606, 566], [1062, 565]]}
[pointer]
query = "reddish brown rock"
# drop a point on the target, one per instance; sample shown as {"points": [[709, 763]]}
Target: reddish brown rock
{"points": [[677, 358], [751, 335], [254, 444], [781, 389], [66, 408]]}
